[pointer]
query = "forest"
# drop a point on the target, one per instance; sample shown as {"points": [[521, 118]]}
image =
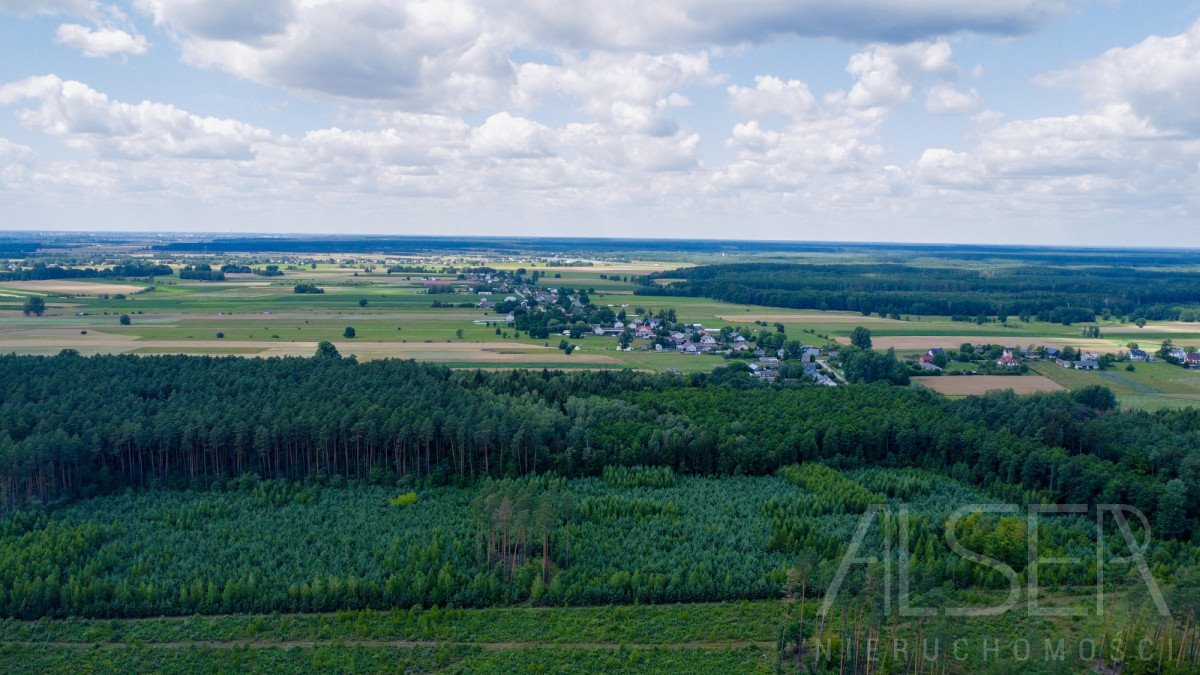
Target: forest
{"points": [[72, 426], [1054, 293]]}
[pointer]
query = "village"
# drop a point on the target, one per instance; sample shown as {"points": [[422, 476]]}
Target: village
{"points": [[998, 359], [543, 311]]}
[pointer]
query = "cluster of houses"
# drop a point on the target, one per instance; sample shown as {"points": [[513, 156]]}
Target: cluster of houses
{"points": [[767, 369], [1185, 358], [1086, 360], [1012, 358]]}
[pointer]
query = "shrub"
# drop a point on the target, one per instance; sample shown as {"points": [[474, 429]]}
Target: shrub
{"points": [[405, 500]]}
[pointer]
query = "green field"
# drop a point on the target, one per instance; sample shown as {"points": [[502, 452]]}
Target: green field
{"points": [[1150, 386]]}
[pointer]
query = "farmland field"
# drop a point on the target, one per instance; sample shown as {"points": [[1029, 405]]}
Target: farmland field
{"points": [[971, 385]]}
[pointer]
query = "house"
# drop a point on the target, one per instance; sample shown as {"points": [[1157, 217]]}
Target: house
{"points": [[936, 351], [1087, 364], [926, 363], [1193, 360], [1139, 355], [769, 361], [708, 340], [1007, 360], [645, 332], [809, 354], [767, 374], [1064, 363], [1179, 354], [510, 317], [688, 347], [1052, 352], [486, 304]]}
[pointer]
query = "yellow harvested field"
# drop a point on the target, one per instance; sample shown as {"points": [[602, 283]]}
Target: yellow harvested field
{"points": [[439, 352], [808, 317], [969, 385], [1172, 327], [922, 342], [72, 287]]}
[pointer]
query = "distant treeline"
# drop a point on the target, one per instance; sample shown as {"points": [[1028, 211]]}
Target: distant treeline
{"points": [[1058, 294], [72, 426], [43, 272], [201, 272]]}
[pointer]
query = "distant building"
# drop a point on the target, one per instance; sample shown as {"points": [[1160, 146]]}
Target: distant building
{"points": [[1139, 355], [1087, 364], [1007, 360]]}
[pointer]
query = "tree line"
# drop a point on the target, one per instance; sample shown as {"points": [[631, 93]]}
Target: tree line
{"points": [[1051, 293]]}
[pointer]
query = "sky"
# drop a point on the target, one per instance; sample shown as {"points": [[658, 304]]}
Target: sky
{"points": [[1056, 122]]}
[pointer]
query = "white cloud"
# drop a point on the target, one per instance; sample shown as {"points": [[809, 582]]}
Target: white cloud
{"points": [[939, 166], [1159, 78], [946, 100], [1109, 160], [887, 74], [772, 96], [86, 118], [633, 91], [100, 42], [446, 55], [224, 19], [430, 54], [16, 161]]}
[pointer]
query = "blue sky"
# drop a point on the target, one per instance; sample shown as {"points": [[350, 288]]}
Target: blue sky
{"points": [[1005, 121]]}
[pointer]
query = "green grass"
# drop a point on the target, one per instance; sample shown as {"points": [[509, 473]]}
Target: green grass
{"points": [[1150, 386]]}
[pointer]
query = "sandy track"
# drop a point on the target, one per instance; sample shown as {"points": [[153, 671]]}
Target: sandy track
{"points": [[74, 287], [921, 342], [809, 318], [444, 352], [1160, 328], [967, 385]]}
